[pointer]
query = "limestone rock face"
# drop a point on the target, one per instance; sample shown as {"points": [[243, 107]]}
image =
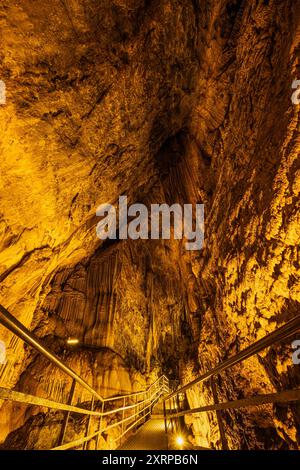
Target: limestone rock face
{"points": [[247, 129], [162, 101]]}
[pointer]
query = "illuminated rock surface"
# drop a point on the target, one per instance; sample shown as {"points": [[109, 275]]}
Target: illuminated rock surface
{"points": [[164, 101]]}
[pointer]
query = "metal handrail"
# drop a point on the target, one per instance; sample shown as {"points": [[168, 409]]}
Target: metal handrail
{"points": [[8, 394], [276, 336], [134, 394], [288, 396], [153, 399], [160, 386], [16, 327], [11, 323]]}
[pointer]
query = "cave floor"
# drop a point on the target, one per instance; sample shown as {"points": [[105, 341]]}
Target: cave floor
{"points": [[151, 436]]}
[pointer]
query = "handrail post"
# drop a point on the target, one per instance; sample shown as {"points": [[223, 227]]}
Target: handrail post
{"points": [[166, 424], [67, 414], [100, 425], [219, 415], [179, 427], [138, 406], [136, 410], [88, 424], [172, 419], [144, 408], [123, 417]]}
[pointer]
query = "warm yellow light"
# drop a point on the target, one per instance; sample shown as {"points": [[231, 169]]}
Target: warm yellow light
{"points": [[72, 341], [179, 441]]}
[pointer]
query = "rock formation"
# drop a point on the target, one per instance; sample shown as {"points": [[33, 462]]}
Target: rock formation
{"points": [[163, 101]]}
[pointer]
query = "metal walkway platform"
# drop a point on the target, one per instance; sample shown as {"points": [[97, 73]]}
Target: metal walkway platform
{"points": [[151, 436]]}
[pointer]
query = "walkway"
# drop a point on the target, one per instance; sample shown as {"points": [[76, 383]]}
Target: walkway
{"points": [[150, 436]]}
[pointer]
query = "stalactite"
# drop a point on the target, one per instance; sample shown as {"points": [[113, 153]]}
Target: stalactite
{"points": [[165, 102]]}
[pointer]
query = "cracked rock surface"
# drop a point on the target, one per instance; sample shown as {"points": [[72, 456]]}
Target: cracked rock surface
{"points": [[162, 101]]}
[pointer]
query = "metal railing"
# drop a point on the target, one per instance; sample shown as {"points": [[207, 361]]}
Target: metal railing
{"points": [[130, 411], [133, 409], [176, 404]]}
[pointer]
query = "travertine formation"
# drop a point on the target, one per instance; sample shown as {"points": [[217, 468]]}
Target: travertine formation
{"points": [[163, 101]]}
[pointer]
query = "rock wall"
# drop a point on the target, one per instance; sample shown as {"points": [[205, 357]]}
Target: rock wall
{"points": [[164, 101], [246, 131], [93, 91]]}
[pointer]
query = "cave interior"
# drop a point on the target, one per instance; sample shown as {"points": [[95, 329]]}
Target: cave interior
{"points": [[166, 102]]}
